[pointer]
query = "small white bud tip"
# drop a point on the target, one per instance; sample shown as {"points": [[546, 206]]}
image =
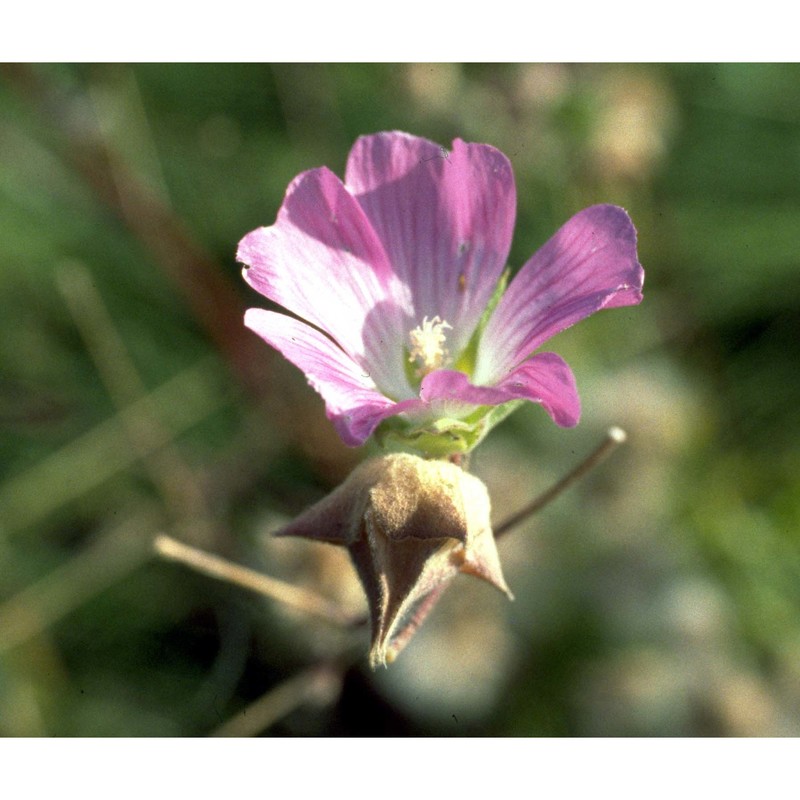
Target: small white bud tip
{"points": [[617, 435]]}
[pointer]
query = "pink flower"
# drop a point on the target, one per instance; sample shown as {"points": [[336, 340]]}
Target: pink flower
{"points": [[396, 280]]}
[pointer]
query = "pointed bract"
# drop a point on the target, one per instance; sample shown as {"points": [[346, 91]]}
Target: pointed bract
{"points": [[410, 525]]}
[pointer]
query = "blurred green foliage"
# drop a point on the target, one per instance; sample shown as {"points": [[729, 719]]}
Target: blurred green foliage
{"points": [[659, 597]]}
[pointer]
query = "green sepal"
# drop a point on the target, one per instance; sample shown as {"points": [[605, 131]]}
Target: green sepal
{"points": [[466, 360], [444, 437]]}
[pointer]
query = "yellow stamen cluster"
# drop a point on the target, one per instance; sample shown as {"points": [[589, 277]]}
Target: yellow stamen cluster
{"points": [[427, 345]]}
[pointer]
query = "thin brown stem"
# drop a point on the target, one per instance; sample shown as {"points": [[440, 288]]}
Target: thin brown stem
{"points": [[221, 569], [614, 438]]}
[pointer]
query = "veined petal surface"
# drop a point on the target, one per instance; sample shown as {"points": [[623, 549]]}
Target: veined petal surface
{"points": [[391, 273], [545, 378], [445, 220], [590, 263], [352, 400], [323, 261]]}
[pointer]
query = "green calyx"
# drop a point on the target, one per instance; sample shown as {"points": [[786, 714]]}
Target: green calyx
{"points": [[445, 437]]}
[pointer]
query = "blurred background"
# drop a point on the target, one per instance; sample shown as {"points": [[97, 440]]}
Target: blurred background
{"points": [[659, 597]]}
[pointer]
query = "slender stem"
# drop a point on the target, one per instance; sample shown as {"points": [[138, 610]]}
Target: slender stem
{"points": [[614, 438], [43, 603], [179, 487], [220, 568], [104, 451], [319, 686]]}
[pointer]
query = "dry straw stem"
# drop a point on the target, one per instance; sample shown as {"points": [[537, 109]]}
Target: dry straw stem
{"points": [[103, 452], [614, 438], [312, 603], [40, 605], [168, 471], [319, 686], [220, 568]]}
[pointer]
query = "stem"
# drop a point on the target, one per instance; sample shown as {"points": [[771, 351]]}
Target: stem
{"points": [[176, 482], [45, 602], [318, 685], [614, 438], [220, 568]]}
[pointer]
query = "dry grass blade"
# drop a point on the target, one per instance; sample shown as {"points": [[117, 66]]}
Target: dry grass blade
{"points": [[101, 565], [176, 482], [104, 451], [319, 685]]}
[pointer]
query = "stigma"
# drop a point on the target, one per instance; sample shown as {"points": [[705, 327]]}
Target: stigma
{"points": [[427, 345]]}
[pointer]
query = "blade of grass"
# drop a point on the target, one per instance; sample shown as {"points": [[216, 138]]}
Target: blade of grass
{"points": [[319, 685], [175, 480], [93, 458], [43, 603]]}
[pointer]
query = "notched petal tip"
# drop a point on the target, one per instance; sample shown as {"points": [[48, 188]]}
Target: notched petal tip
{"points": [[618, 226], [250, 245]]}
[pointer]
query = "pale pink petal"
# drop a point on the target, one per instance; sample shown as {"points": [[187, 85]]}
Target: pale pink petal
{"points": [[352, 400], [589, 264], [323, 261], [445, 219], [545, 379]]}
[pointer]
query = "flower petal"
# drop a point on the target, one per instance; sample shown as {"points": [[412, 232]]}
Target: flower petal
{"points": [[323, 261], [445, 219], [352, 400], [589, 264], [545, 378]]}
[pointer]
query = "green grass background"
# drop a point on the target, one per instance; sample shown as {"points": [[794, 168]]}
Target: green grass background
{"points": [[660, 597]]}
